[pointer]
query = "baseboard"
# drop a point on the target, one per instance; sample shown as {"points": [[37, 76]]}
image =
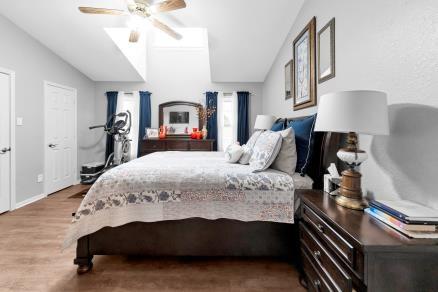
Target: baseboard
{"points": [[30, 200]]}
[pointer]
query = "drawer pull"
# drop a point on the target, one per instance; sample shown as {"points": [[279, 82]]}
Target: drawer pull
{"points": [[317, 284], [317, 254], [320, 228]]}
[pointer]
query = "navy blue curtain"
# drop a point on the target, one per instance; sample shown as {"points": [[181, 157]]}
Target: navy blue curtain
{"points": [[242, 116], [211, 101], [110, 110], [145, 116]]}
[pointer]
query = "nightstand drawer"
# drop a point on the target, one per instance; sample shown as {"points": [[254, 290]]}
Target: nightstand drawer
{"points": [[315, 281], [333, 239], [326, 262]]}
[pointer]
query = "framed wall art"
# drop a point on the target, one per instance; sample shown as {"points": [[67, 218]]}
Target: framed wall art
{"points": [[304, 76], [326, 52], [288, 79]]}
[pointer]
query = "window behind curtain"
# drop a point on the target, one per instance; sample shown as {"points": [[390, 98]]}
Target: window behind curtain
{"points": [[227, 122], [131, 102]]}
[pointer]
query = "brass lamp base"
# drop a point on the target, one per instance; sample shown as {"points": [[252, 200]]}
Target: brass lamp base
{"points": [[355, 204], [350, 193]]}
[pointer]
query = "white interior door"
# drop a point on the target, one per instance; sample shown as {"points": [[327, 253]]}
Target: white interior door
{"points": [[5, 141], [60, 132]]}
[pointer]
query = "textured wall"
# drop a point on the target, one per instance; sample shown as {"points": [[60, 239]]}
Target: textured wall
{"points": [[389, 46], [33, 63]]}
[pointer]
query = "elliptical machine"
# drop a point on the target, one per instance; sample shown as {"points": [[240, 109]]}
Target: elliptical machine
{"points": [[117, 126]]}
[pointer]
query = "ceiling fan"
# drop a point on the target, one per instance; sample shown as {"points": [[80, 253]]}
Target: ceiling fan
{"points": [[145, 9]]}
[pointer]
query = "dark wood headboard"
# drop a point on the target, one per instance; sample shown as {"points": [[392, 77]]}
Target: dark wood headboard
{"points": [[325, 146]]}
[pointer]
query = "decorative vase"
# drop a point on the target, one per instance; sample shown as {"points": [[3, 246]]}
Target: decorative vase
{"points": [[194, 131], [204, 133]]}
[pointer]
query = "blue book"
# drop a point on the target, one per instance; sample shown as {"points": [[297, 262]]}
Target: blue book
{"points": [[407, 211]]}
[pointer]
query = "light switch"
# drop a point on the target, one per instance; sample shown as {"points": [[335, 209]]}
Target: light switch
{"points": [[19, 121], [40, 178]]}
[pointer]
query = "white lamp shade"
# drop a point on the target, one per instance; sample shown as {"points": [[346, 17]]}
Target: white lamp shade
{"points": [[361, 111], [264, 122]]}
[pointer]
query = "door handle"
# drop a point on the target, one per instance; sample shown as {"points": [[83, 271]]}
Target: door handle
{"points": [[52, 145], [4, 150]]}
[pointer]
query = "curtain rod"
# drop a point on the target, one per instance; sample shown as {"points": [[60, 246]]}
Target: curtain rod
{"points": [[230, 93]]}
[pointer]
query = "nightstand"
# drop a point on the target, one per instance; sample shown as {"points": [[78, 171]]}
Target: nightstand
{"points": [[347, 250]]}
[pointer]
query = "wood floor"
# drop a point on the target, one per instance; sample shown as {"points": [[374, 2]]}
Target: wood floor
{"points": [[31, 260]]}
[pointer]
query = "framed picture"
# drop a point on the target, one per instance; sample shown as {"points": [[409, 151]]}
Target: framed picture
{"points": [[288, 79], [326, 52], [151, 133], [304, 85]]}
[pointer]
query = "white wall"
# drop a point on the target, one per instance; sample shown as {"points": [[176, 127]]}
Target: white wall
{"points": [[390, 46], [34, 63], [175, 75]]}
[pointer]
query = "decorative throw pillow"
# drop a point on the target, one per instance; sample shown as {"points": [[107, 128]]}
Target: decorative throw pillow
{"points": [[233, 153], [286, 160], [248, 148], [303, 129], [265, 150], [279, 125]]}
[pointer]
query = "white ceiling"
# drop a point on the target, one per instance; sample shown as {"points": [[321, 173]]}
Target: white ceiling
{"points": [[244, 35]]}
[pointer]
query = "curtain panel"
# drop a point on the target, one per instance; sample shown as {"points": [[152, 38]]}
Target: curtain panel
{"points": [[145, 116], [243, 117], [211, 101], [111, 110]]}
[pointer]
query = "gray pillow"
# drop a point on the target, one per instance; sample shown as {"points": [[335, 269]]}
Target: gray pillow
{"points": [[248, 148], [265, 150], [286, 160]]}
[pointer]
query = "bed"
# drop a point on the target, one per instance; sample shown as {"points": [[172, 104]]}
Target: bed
{"points": [[194, 204]]}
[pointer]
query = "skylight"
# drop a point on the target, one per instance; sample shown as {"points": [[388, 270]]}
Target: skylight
{"points": [[192, 38]]}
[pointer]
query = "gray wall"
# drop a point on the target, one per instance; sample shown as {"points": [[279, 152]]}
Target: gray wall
{"points": [[389, 46], [33, 63]]}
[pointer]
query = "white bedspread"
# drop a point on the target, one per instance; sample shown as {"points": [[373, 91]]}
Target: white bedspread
{"points": [[180, 185]]}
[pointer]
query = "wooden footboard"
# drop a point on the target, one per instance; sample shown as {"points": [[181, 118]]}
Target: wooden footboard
{"points": [[191, 237]]}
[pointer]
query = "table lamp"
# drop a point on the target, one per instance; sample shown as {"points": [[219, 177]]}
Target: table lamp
{"points": [[352, 112], [264, 122]]}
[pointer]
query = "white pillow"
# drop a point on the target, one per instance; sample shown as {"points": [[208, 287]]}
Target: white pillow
{"points": [[286, 160], [233, 153], [265, 150], [247, 148]]}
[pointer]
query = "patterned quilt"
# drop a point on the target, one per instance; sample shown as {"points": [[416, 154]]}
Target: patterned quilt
{"points": [[180, 185]]}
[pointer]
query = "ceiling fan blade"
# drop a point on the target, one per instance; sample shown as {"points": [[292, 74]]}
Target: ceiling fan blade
{"points": [[158, 24], [144, 2], [93, 10], [167, 5], [134, 36]]}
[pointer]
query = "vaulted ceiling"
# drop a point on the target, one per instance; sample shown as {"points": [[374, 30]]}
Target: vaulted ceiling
{"points": [[244, 35]]}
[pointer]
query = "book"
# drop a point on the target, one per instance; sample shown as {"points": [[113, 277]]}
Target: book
{"points": [[412, 234], [401, 224], [409, 212]]}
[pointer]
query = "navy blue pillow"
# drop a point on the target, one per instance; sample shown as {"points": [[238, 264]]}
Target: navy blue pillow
{"points": [[304, 141], [279, 125]]}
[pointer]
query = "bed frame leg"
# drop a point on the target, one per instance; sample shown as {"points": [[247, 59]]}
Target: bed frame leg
{"points": [[84, 265], [84, 259]]}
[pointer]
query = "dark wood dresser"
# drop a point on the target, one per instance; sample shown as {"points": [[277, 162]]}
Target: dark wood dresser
{"points": [[175, 144], [347, 250]]}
